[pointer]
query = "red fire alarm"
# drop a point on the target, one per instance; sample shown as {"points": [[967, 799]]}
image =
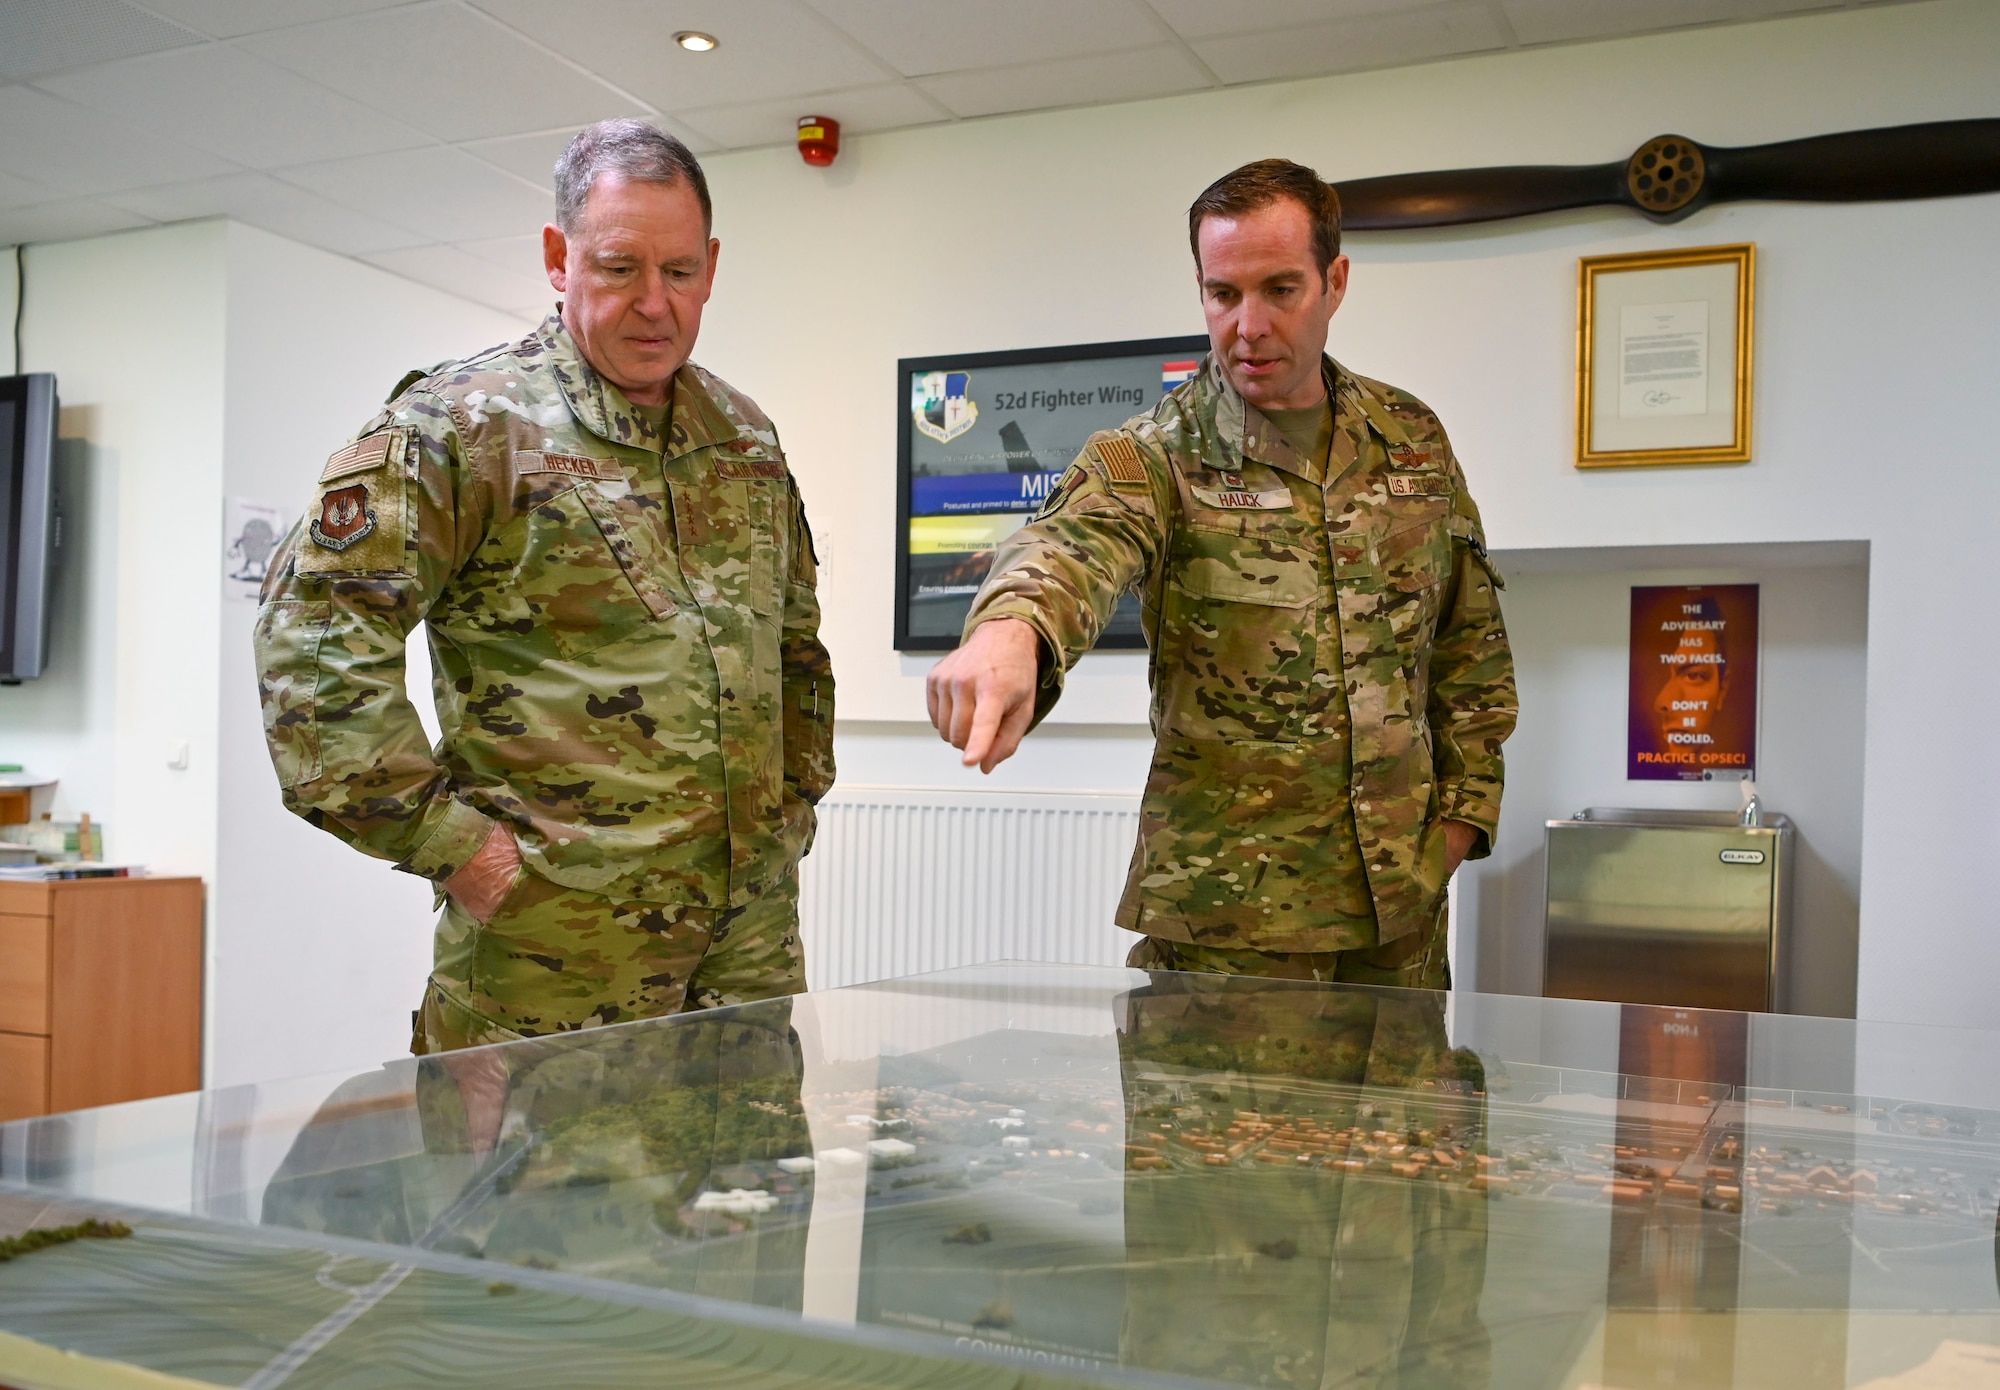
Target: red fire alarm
{"points": [[819, 140]]}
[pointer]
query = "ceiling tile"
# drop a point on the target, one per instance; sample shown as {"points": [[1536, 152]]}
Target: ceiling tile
{"points": [[531, 157], [923, 36], [445, 194], [228, 103], [769, 48], [521, 255], [263, 201], [78, 151], [64, 221], [227, 19], [534, 157], [456, 271], [16, 192], [43, 36], [1555, 21], [888, 107], [444, 70], [1351, 45], [1145, 72], [1206, 19]]}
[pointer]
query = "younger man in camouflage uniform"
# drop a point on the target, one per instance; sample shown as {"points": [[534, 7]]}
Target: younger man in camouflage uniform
{"points": [[1331, 680], [614, 566]]}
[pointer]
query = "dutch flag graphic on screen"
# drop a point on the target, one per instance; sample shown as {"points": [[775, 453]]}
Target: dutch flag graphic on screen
{"points": [[1172, 374]]}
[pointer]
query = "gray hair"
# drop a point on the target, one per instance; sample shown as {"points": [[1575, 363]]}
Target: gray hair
{"points": [[633, 150]]}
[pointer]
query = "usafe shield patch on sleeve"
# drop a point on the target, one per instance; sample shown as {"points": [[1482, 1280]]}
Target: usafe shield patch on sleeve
{"points": [[571, 465], [345, 519], [1244, 500], [1122, 464], [1403, 484], [357, 522]]}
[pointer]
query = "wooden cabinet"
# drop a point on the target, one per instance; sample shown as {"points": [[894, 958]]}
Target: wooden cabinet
{"points": [[100, 992]]}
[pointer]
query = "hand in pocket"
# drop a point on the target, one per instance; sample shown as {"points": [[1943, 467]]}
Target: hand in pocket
{"points": [[484, 882]]}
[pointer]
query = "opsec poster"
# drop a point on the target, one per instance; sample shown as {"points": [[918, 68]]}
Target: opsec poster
{"points": [[1692, 703]]}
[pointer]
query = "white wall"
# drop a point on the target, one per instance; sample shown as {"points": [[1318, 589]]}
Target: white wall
{"points": [[200, 361], [196, 362], [318, 952], [1875, 354], [132, 326]]}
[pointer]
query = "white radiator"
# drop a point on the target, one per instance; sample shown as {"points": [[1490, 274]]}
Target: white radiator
{"points": [[904, 880]]}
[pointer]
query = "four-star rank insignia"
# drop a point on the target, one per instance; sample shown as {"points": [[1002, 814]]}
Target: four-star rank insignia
{"points": [[345, 517]]}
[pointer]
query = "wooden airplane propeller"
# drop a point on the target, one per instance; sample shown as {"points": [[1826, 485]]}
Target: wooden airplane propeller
{"points": [[1670, 177]]}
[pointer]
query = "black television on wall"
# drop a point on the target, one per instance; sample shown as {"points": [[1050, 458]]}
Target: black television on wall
{"points": [[29, 529], [981, 438]]}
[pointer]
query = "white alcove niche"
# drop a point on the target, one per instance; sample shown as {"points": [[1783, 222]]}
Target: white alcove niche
{"points": [[1568, 613]]}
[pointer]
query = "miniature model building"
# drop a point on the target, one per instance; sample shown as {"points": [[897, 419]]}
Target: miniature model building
{"points": [[1228, 1182]]}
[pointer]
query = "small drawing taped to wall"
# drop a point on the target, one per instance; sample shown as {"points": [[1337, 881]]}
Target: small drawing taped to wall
{"points": [[252, 532]]}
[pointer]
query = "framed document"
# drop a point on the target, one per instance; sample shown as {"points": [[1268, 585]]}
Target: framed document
{"points": [[1663, 357], [980, 439]]}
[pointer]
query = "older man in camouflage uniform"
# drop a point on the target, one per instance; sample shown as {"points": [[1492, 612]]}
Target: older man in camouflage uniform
{"points": [[1331, 680], [614, 566]]}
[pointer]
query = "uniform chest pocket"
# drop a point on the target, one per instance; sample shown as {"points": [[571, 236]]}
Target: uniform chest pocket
{"points": [[732, 532], [1413, 561], [588, 571], [1238, 639], [1414, 553], [1269, 559]]}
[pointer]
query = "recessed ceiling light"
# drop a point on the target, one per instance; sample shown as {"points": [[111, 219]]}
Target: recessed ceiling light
{"points": [[694, 41]]}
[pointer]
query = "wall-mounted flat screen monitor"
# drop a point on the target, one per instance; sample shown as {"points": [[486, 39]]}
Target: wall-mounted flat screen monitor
{"points": [[28, 526], [981, 439]]}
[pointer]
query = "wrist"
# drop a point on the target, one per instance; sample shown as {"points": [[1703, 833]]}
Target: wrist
{"points": [[1007, 630]]}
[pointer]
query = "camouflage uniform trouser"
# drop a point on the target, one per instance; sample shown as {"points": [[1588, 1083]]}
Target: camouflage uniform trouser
{"points": [[1302, 1276], [553, 959], [1415, 961]]}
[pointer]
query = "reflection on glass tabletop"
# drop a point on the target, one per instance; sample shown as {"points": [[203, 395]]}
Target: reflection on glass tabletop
{"points": [[1035, 1175]]}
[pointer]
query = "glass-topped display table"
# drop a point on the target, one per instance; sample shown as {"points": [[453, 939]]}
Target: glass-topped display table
{"points": [[1031, 1175]]}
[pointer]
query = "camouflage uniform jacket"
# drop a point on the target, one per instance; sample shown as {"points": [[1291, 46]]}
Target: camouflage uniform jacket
{"points": [[1289, 615], [623, 627]]}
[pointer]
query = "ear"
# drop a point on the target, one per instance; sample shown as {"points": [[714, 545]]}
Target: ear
{"points": [[1336, 281], [555, 257]]}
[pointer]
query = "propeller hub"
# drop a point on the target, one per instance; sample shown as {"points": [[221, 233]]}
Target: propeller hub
{"points": [[1666, 174]]}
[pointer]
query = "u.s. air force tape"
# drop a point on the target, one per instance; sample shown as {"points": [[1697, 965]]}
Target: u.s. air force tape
{"points": [[1121, 461], [1403, 484]]}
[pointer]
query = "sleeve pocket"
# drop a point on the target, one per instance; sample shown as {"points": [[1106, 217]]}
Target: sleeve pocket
{"points": [[1414, 557], [362, 516], [1465, 529], [808, 735], [288, 637]]}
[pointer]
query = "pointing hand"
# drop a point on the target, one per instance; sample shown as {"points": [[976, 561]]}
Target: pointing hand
{"points": [[982, 696]]}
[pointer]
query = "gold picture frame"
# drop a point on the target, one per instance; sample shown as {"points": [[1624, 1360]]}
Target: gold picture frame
{"points": [[1674, 329]]}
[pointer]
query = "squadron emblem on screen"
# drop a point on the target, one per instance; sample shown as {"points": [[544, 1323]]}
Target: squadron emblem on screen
{"points": [[941, 407]]}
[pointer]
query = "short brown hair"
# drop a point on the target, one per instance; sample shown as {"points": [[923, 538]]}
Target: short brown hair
{"points": [[1261, 184]]}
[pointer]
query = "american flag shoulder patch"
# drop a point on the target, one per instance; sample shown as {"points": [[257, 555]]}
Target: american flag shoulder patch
{"points": [[1121, 461]]}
